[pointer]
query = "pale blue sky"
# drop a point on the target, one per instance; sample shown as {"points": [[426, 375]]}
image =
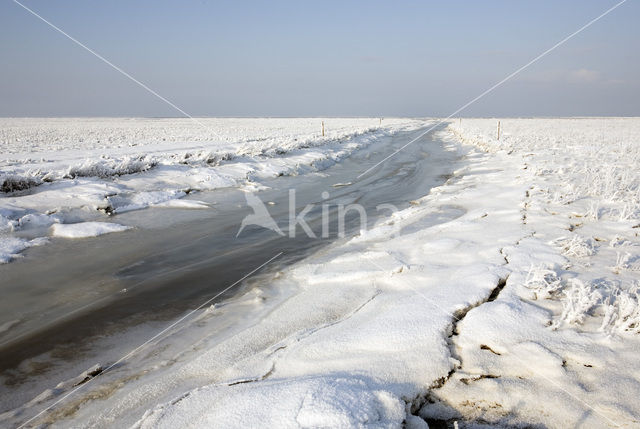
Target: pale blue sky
{"points": [[330, 58]]}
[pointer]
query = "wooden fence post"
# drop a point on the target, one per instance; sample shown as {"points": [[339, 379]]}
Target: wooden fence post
{"points": [[498, 130], [322, 128]]}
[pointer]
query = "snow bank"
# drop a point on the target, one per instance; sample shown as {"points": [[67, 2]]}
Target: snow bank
{"points": [[45, 150], [556, 346], [85, 229], [355, 335], [336, 402]]}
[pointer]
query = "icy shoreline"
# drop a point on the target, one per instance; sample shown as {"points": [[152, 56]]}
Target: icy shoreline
{"points": [[503, 364], [506, 296], [59, 171]]}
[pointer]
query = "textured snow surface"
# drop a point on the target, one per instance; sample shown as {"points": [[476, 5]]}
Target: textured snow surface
{"points": [[557, 346], [71, 170], [309, 402], [507, 296]]}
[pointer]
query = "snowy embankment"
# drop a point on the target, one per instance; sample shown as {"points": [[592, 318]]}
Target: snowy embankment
{"points": [[58, 171], [508, 295], [559, 344]]}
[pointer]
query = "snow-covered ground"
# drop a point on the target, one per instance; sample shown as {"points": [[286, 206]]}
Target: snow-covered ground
{"points": [[82, 170], [508, 295]]}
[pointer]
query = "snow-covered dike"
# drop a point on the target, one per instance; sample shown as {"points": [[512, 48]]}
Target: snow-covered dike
{"points": [[70, 170], [507, 296]]}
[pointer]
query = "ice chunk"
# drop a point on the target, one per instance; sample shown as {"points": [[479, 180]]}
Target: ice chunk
{"points": [[86, 229]]}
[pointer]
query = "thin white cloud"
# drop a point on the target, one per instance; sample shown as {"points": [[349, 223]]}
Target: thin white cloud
{"points": [[583, 76], [577, 77]]}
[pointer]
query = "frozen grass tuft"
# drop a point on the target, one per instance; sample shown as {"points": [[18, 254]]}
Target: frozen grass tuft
{"points": [[622, 311], [576, 246], [578, 301], [544, 281], [111, 167], [619, 307], [13, 183]]}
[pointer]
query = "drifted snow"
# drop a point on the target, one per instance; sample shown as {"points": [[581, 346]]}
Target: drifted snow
{"points": [[310, 402]]}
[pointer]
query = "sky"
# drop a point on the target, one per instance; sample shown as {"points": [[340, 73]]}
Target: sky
{"points": [[329, 58]]}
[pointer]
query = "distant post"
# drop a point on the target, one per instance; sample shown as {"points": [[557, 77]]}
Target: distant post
{"points": [[322, 128], [498, 130]]}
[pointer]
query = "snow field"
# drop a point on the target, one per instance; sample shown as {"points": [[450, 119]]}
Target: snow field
{"points": [[491, 300], [560, 340]]}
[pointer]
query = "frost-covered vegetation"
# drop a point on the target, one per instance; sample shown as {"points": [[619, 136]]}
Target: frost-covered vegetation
{"points": [[563, 333], [52, 149], [587, 173]]}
